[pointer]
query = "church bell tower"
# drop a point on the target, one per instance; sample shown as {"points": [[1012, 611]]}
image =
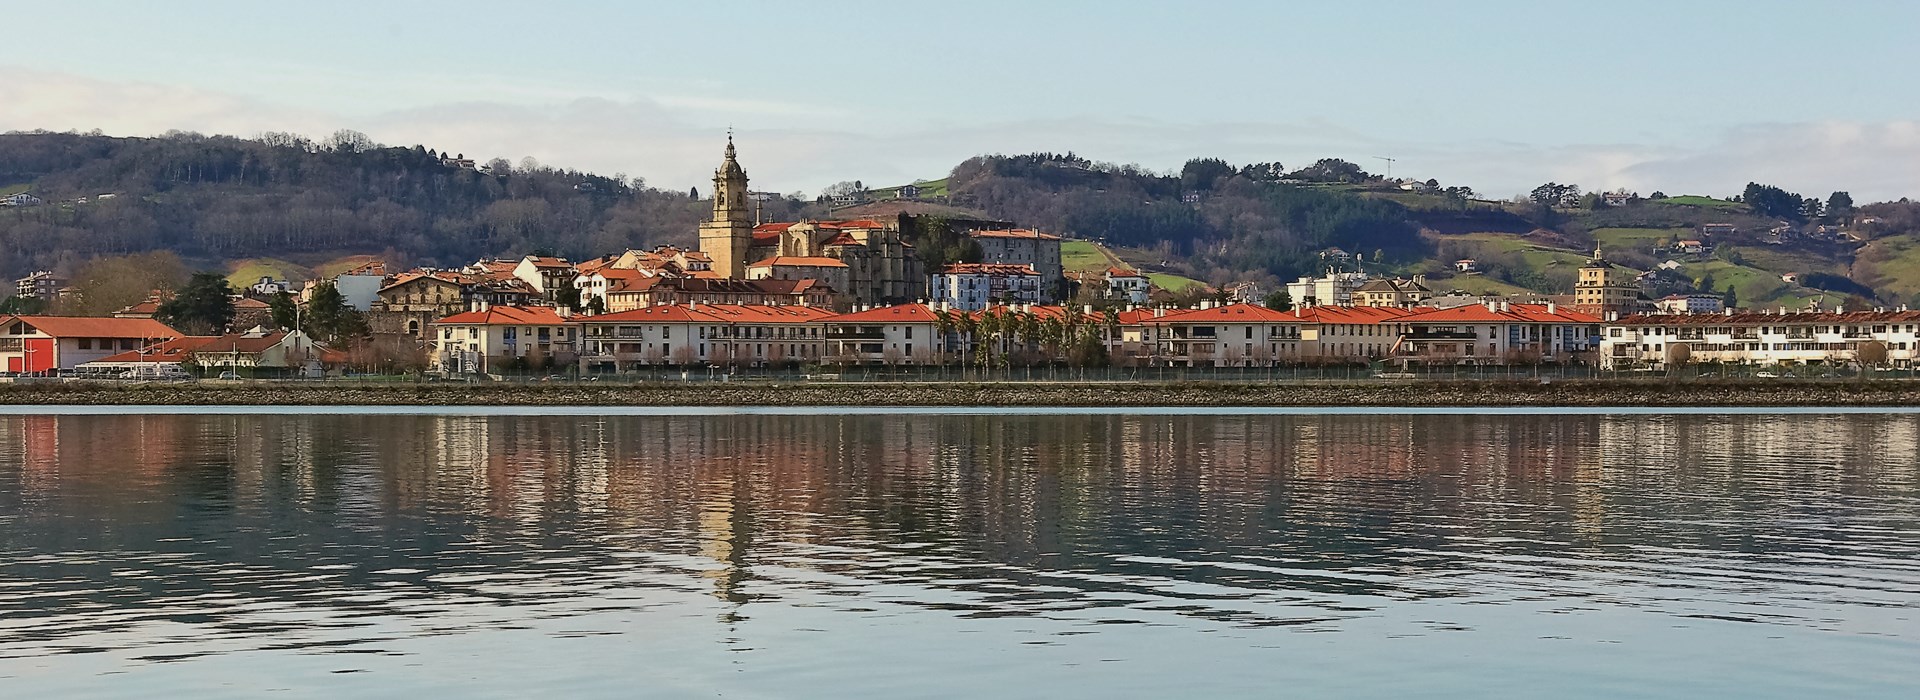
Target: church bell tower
{"points": [[728, 234]]}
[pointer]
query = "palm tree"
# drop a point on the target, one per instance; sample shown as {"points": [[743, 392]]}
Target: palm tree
{"points": [[943, 325]]}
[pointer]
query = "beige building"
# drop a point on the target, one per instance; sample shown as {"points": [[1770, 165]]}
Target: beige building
{"points": [[1604, 289], [881, 267]]}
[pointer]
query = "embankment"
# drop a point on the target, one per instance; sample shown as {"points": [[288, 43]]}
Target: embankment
{"points": [[1377, 393]]}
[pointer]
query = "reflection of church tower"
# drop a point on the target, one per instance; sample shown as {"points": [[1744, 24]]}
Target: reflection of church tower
{"points": [[728, 235]]}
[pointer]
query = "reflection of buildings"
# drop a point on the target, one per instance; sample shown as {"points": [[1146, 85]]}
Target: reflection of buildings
{"points": [[734, 505]]}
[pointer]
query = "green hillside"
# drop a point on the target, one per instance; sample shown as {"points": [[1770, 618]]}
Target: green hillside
{"points": [[1704, 202], [928, 189]]}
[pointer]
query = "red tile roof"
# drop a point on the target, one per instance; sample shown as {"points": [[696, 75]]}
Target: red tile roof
{"points": [[1232, 313], [987, 269], [91, 327], [506, 316], [1349, 314], [1514, 313], [173, 350], [794, 261], [905, 313]]}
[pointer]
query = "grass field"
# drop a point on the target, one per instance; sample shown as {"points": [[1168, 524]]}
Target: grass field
{"points": [[1754, 287], [1171, 282], [1536, 256], [930, 188], [1897, 260], [1477, 284], [1704, 202], [1640, 240], [1082, 256], [247, 271], [1780, 260], [336, 266], [10, 190]]}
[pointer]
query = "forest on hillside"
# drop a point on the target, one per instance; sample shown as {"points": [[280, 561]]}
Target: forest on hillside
{"points": [[216, 198], [1217, 221], [210, 200]]}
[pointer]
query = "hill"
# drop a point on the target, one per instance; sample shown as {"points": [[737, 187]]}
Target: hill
{"points": [[217, 200], [292, 208]]}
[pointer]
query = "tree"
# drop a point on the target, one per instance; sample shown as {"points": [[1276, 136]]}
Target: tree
{"points": [[203, 307], [330, 318], [1840, 206], [1200, 174], [109, 284], [286, 312], [693, 194], [24, 306], [1554, 194], [1279, 300], [1766, 200], [1332, 170], [1729, 298], [1657, 194]]}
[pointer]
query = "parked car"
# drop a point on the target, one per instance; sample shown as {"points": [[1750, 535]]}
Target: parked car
{"points": [[229, 375]]}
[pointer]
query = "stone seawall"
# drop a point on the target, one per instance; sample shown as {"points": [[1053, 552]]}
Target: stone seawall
{"points": [[1382, 394]]}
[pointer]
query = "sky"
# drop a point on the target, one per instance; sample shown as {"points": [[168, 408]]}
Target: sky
{"points": [[1694, 97]]}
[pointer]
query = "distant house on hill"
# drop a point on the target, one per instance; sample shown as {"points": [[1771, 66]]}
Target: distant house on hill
{"points": [[1466, 265], [907, 192], [1710, 230], [21, 199]]}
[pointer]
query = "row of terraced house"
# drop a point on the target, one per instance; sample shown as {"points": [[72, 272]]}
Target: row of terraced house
{"points": [[495, 339]]}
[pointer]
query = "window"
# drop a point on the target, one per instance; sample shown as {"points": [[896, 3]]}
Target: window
{"points": [[86, 343]]}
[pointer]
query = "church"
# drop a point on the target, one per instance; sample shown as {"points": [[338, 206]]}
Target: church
{"points": [[865, 262]]}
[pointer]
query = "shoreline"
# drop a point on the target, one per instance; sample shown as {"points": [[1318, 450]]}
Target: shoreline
{"points": [[1373, 394]]}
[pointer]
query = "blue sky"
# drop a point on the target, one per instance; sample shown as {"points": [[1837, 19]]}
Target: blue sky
{"points": [[1685, 97]]}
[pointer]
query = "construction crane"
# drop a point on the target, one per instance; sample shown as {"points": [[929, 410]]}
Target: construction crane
{"points": [[1390, 162]]}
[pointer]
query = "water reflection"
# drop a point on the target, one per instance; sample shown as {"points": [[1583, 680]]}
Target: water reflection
{"points": [[155, 540]]}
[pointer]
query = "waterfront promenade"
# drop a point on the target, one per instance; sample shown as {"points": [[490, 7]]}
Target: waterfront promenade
{"points": [[1117, 394]]}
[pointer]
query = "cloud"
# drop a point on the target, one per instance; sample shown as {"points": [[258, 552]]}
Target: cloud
{"points": [[675, 141]]}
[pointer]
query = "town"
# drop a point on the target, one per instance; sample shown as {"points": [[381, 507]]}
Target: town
{"points": [[854, 293]]}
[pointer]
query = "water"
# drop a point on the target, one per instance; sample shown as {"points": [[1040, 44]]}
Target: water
{"points": [[929, 554]]}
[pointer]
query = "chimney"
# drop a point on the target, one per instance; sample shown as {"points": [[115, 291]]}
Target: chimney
{"points": [[1552, 308], [1505, 306], [1159, 312]]}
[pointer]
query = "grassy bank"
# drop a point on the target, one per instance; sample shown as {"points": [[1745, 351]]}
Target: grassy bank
{"points": [[1379, 394]]}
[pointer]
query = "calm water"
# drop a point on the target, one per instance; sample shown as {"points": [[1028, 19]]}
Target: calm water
{"points": [[884, 556]]}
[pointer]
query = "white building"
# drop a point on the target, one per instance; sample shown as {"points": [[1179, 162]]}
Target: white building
{"points": [[974, 286], [688, 335], [1825, 338], [21, 199], [500, 338], [268, 286], [1130, 285], [546, 275], [1691, 304], [891, 335], [1335, 289]]}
